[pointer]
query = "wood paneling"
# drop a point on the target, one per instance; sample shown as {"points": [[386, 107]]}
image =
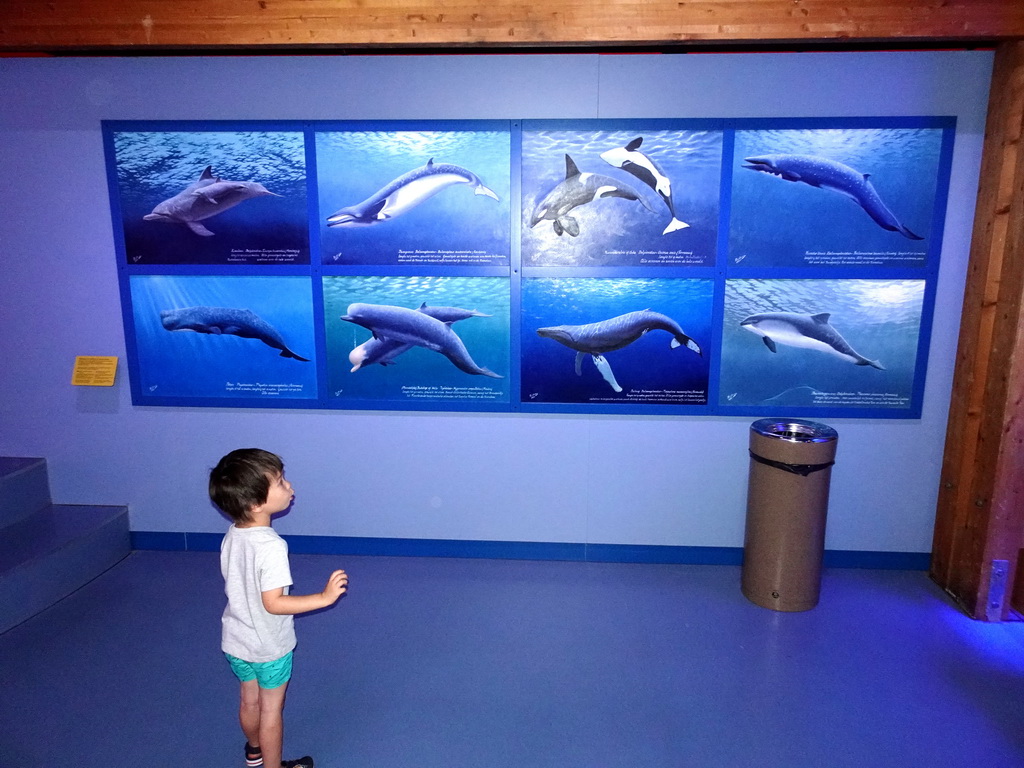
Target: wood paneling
{"points": [[980, 516], [61, 25]]}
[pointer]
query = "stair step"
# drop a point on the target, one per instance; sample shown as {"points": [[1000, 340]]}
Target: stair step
{"points": [[48, 555], [24, 488]]}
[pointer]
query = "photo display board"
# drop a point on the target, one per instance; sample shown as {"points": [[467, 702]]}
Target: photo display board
{"points": [[732, 267]]}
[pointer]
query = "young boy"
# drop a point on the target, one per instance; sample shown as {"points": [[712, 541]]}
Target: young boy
{"points": [[257, 626]]}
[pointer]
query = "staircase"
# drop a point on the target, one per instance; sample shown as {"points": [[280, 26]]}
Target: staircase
{"points": [[47, 550]]}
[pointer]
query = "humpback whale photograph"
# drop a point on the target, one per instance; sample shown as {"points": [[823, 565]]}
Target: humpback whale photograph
{"points": [[597, 339], [584, 340]]}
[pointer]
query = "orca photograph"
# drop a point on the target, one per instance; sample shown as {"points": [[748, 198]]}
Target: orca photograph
{"points": [[211, 197], [224, 337], [621, 195], [414, 197]]}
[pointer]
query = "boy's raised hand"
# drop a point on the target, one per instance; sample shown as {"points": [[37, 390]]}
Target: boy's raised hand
{"points": [[337, 585]]}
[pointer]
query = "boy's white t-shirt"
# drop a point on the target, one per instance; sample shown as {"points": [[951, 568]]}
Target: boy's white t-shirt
{"points": [[252, 561]]}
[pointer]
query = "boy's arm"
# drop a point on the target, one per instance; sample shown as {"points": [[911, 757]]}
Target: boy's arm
{"points": [[280, 604]]}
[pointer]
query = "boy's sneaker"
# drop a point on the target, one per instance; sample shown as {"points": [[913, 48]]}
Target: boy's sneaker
{"points": [[302, 762], [253, 756]]}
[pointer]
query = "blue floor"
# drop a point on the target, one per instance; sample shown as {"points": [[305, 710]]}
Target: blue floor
{"points": [[448, 663]]}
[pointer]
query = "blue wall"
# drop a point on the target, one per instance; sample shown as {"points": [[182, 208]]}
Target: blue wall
{"points": [[584, 481]]}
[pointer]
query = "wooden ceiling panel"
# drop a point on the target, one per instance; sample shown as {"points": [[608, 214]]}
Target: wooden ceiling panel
{"points": [[86, 25]]}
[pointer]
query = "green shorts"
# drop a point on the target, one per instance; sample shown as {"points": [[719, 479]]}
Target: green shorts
{"points": [[267, 674]]}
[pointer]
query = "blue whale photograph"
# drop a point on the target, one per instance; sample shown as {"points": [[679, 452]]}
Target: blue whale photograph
{"points": [[212, 197], [623, 340], [418, 339], [414, 197], [224, 337], [821, 343], [828, 198], [626, 197]]}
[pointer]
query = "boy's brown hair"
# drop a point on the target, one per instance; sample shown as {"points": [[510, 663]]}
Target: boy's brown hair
{"points": [[241, 481]]}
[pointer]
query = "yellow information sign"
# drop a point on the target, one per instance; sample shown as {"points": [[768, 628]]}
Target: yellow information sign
{"points": [[93, 371]]}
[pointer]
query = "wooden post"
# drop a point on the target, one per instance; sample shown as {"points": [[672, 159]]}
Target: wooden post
{"points": [[979, 527]]}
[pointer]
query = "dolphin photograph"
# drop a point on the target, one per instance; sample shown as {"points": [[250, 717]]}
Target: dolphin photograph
{"points": [[615, 196], [821, 342], [630, 159], [409, 197], [211, 197], [207, 196], [395, 339], [216, 336], [583, 340], [834, 198]]}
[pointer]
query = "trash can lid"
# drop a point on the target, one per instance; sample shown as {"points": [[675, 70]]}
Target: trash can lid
{"points": [[796, 430]]}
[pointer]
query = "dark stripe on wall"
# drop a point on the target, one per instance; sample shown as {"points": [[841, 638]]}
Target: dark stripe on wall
{"points": [[524, 550]]}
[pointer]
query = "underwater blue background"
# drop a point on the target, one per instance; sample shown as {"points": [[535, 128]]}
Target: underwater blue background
{"points": [[190, 364], [153, 166], [649, 363], [353, 165], [776, 222], [692, 161], [880, 319], [486, 338]]}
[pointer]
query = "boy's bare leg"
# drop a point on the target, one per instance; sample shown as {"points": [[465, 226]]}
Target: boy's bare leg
{"points": [[272, 724], [249, 712]]}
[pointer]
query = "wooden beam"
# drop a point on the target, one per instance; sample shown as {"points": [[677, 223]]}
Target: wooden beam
{"points": [[980, 515], [69, 25]]}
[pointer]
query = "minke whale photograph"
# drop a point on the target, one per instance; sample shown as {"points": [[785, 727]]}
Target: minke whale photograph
{"points": [[418, 338], [584, 340], [414, 197], [406, 192], [224, 337], [197, 197], [839, 198], [820, 342], [619, 197]]}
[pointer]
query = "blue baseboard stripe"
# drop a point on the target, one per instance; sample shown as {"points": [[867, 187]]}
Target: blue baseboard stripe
{"points": [[524, 550]]}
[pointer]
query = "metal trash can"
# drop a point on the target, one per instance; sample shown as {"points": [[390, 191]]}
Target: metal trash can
{"points": [[787, 502]]}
